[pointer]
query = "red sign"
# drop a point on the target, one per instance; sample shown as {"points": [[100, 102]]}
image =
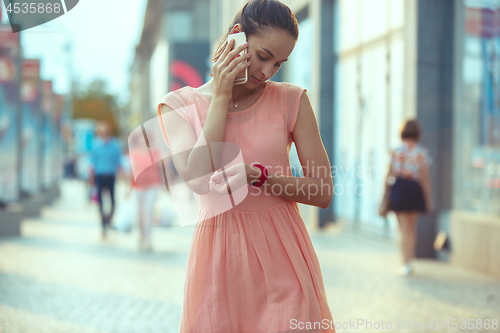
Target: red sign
{"points": [[31, 68], [497, 22], [8, 39], [9, 52], [47, 97], [31, 75], [7, 70], [482, 22], [58, 106], [185, 72]]}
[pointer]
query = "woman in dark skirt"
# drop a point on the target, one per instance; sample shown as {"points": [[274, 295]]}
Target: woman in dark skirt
{"points": [[410, 194]]}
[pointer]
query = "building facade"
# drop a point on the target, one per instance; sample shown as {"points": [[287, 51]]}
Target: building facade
{"points": [[370, 106], [368, 65], [173, 52], [475, 219], [438, 62]]}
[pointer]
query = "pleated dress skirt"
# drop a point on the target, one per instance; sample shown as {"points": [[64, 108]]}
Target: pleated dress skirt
{"points": [[254, 272]]}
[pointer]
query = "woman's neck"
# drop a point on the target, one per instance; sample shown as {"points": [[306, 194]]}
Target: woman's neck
{"points": [[410, 143], [240, 91]]}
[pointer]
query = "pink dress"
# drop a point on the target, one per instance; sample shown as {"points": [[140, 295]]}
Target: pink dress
{"points": [[253, 268]]}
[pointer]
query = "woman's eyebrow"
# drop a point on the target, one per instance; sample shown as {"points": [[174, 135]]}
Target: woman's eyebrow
{"points": [[271, 54]]}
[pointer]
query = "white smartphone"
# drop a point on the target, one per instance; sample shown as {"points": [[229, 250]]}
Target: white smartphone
{"points": [[240, 39]]}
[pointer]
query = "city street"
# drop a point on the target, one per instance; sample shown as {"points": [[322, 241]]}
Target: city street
{"points": [[384, 112], [61, 277]]}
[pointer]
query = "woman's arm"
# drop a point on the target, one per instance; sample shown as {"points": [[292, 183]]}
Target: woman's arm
{"points": [[390, 172], [426, 187], [191, 156], [316, 187], [197, 159]]}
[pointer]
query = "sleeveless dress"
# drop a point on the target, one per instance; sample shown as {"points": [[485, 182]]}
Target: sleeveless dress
{"points": [[253, 268], [406, 193]]}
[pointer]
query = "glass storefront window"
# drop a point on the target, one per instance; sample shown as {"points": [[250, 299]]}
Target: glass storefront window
{"points": [[477, 138], [345, 124], [299, 63], [370, 99], [374, 20], [397, 111], [298, 71], [348, 34], [396, 13]]}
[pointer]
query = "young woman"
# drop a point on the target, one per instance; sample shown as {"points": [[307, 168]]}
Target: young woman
{"points": [[251, 268], [150, 182], [411, 192]]}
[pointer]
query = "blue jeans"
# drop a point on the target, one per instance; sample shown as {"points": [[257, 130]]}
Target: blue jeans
{"points": [[105, 182]]}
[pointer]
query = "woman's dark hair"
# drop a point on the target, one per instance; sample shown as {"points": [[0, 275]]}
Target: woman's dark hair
{"points": [[411, 129], [256, 15]]}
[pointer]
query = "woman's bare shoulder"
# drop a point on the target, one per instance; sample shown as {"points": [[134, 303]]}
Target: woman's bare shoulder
{"points": [[174, 97], [165, 108], [206, 90]]}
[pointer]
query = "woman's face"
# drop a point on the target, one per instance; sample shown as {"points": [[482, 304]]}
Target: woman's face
{"points": [[269, 50]]}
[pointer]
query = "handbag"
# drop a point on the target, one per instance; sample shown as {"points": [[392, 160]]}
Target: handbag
{"points": [[93, 195], [385, 204], [126, 215]]}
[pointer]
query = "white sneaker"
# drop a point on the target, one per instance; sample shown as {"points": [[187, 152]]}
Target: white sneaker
{"points": [[145, 246], [104, 234], [405, 270]]}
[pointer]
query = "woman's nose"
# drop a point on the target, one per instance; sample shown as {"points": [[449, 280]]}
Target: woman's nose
{"points": [[266, 71]]}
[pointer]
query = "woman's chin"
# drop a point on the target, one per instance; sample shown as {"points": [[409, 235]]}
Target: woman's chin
{"points": [[251, 83]]}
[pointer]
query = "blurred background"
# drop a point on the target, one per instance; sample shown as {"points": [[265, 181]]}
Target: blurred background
{"points": [[367, 65]]}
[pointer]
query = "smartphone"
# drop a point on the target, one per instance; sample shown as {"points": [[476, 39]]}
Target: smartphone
{"points": [[240, 39]]}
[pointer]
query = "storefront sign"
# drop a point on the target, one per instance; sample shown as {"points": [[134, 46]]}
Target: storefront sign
{"points": [[31, 126], [9, 114], [48, 134], [482, 22]]}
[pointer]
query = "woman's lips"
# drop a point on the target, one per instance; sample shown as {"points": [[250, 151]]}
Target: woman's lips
{"points": [[256, 80]]}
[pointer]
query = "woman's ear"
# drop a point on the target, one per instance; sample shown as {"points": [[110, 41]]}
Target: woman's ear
{"points": [[236, 29]]}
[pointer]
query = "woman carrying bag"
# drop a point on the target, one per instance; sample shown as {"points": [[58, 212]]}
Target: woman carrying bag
{"points": [[409, 195]]}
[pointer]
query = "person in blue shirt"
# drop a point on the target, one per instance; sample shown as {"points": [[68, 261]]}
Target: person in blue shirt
{"points": [[105, 157]]}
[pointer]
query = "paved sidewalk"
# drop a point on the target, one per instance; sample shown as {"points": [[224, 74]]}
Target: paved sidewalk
{"points": [[60, 277]]}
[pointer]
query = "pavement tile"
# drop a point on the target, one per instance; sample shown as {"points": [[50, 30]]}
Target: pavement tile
{"points": [[60, 277]]}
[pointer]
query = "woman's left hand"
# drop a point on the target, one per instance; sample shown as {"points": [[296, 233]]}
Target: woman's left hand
{"points": [[236, 176]]}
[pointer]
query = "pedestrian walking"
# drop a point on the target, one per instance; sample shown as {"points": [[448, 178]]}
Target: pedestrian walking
{"points": [[251, 268], [410, 192], [106, 163], [146, 185]]}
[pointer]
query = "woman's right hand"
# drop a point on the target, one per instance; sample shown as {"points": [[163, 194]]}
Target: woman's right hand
{"points": [[227, 67], [429, 207]]}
